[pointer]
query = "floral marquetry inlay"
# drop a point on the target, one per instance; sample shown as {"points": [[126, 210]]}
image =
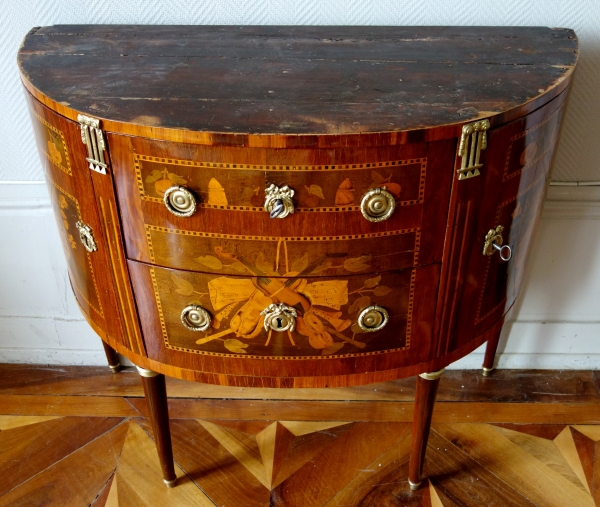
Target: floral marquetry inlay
{"points": [[284, 210], [326, 311], [67, 212], [325, 255], [317, 188], [51, 143]]}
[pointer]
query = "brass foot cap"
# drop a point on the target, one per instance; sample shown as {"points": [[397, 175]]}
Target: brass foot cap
{"points": [[414, 485], [487, 371], [170, 484], [115, 367]]}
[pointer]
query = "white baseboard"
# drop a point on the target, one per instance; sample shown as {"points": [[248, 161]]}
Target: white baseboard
{"points": [[557, 322], [531, 362], [72, 357]]}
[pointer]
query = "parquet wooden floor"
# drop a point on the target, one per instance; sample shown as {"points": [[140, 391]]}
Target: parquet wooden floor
{"points": [[78, 437]]}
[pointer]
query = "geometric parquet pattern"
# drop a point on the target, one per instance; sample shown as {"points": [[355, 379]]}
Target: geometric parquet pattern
{"points": [[108, 461]]}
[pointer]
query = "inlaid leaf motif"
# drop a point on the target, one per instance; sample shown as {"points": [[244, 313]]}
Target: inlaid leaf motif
{"points": [[184, 287], [316, 190], [356, 264], [246, 195], [301, 263], [345, 193], [313, 322], [382, 290], [324, 266], [528, 153], [359, 304], [206, 339], [301, 327], [356, 329], [262, 263], [377, 177], [238, 266], [372, 282], [236, 346], [320, 340], [178, 180], [393, 188], [154, 176], [210, 261], [54, 152], [332, 349]]}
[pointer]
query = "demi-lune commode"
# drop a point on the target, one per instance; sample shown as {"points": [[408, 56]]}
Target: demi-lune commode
{"points": [[296, 206]]}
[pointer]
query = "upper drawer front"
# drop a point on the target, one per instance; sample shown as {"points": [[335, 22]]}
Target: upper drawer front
{"points": [[317, 188], [230, 220]]}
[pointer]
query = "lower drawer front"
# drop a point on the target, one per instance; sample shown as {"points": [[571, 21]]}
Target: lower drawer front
{"points": [[327, 309]]}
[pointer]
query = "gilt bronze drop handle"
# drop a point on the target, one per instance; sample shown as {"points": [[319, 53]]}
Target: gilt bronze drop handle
{"points": [[278, 201]]}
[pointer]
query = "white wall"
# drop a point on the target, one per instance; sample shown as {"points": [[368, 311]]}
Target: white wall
{"points": [[556, 324], [39, 318], [577, 158], [556, 321]]}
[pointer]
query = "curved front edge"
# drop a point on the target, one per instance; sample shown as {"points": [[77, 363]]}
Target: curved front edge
{"points": [[535, 67], [317, 381], [326, 340]]}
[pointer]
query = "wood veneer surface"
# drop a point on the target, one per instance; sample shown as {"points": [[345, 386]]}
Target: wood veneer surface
{"points": [[425, 263], [295, 80]]}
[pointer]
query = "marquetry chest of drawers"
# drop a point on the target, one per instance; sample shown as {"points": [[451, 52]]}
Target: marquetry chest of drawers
{"points": [[296, 206]]}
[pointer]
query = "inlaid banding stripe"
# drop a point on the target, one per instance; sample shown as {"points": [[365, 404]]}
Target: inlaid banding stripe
{"points": [[280, 238], [282, 168]]}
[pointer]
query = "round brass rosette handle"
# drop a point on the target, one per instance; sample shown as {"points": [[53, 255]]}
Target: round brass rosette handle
{"points": [[377, 205], [195, 318], [279, 317], [373, 318], [86, 236], [180, 201], [278, 201]]}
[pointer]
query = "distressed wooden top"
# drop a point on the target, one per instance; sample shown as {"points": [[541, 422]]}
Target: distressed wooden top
{"points": [[296, 80]]}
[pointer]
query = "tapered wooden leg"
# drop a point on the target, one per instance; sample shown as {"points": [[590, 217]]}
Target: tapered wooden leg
{"points": [[490, 354], [156, 397], [427, 385], [112, 358]]}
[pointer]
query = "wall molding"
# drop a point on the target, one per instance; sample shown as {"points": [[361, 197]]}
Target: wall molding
{"points": [[24, 198], [531, 362], [578, 210], [577, 202]]}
